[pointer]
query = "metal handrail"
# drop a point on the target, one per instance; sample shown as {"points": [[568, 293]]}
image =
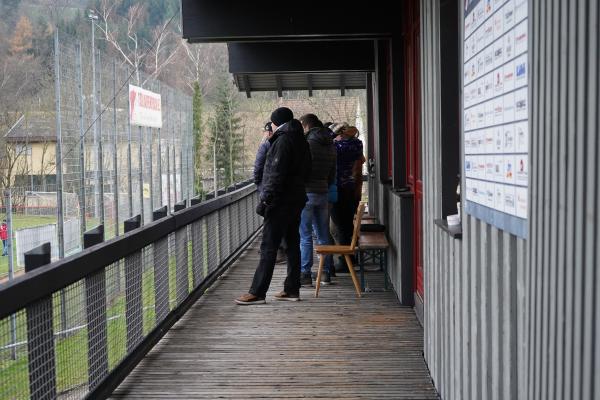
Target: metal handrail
{"points": [[35, 285]]}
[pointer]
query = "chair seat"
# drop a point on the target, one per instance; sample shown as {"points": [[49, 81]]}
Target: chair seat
{"points": [[334, 249]]}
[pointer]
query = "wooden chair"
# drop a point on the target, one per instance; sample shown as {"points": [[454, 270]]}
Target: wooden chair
{"points": [[343, 250]]}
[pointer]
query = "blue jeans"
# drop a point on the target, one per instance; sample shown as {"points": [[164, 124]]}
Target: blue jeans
{"points": [[315, 216]]}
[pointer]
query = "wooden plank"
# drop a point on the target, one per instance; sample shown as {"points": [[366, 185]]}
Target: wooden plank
{"points": [[336, 345]]}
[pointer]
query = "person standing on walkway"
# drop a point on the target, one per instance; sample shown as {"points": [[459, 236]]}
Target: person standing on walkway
{"points": [[261, 156], [4, 237], [259, 166], [315, 215], [350, 159], [283, 196]]}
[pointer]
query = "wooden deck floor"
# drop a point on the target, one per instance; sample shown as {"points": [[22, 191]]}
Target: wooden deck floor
{"points": [[335, 346]]}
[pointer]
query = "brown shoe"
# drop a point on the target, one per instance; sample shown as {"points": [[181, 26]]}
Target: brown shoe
{"points": [[283, 296], [249, 299]]}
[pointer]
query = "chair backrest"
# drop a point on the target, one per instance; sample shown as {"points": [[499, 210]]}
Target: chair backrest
{"points": [[359, 213]]}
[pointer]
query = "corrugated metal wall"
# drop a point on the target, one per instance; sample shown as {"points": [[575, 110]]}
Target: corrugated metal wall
{"points": [[474, 287], [507, 318], [563, 302]]}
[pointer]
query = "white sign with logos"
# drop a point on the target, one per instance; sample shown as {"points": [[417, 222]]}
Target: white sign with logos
{"points": [[495, 106], [145, 108]]}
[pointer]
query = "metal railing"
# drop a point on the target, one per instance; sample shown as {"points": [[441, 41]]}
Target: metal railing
{"points": [[115, 298]]}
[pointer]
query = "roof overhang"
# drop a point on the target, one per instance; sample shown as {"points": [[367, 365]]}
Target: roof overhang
{"points": [[255, 58], [259, 20], [277, 66], [279, 82]]}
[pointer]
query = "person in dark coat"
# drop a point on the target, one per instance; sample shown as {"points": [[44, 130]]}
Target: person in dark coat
{"points": [[283, 196], [259, 166], [261, 156], [315, 215]]}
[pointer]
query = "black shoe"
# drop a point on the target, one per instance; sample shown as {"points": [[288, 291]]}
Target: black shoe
{"points": [[325, 279], [305, 279]]}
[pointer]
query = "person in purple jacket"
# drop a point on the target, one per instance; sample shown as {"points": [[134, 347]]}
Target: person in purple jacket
{"points": [[350, 159]]}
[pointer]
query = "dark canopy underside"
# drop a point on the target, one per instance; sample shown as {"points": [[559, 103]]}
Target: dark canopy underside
{"points": [[300, 81], [308, 65]]}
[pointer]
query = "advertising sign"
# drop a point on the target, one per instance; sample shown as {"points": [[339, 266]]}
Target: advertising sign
{"points": [[144, 108]]}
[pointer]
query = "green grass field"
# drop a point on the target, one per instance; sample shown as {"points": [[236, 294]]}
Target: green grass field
{"points": [[20, 222], [29, 221], [71, 350]]}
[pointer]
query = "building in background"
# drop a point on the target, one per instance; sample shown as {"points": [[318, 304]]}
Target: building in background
{"points": [[31, 148]]}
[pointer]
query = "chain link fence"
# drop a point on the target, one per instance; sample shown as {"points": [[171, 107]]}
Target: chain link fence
{"points": [[65, 343], [111, 170]]}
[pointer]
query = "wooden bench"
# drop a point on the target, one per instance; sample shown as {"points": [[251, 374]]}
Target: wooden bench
{"points": [[368, 219], [372, 246]]}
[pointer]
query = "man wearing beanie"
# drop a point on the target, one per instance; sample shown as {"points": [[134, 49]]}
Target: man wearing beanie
{"points": [[282, 199]]}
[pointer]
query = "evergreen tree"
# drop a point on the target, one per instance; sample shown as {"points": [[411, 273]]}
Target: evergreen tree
{"points": [[21, 43], [225, 137], [197, 132]]}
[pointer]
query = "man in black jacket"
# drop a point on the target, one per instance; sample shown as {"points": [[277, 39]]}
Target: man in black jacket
{"points": [[282, 199], [315, 215], [259, 166]]}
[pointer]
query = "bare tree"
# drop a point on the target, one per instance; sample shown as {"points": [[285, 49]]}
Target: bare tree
{"points": [[203, 64], [163, 49], [129, 50], [14, 163], [151, 56]]}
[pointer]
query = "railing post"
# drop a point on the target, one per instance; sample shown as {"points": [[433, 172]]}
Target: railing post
{"points": [[40, 334], [256, 219], [197, 229], [133, 290], [161, 270], [223, 229], [95, 295], [181, 258], [246, 219], [212, 240], [234, 232]]}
